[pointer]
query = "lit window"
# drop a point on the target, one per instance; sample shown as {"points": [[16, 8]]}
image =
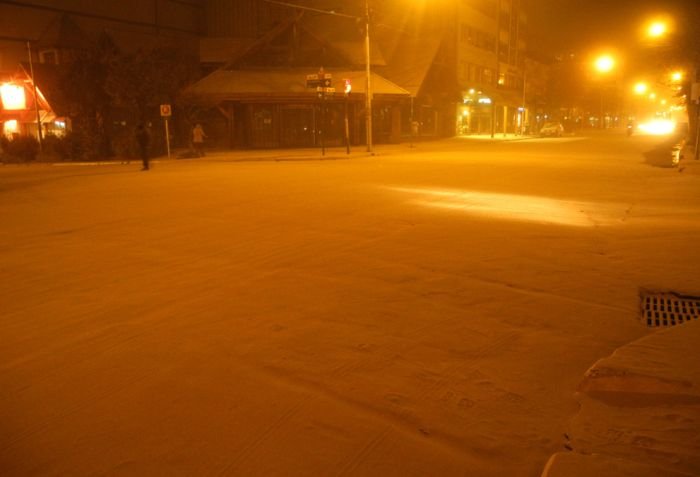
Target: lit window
{"points": [[10, 127], [12, 97]]}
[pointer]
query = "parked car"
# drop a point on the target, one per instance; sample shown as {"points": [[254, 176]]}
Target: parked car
{"points": [[552, 129]]}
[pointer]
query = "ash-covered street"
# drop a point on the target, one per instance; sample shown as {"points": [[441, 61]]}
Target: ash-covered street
{"points": [[426, 311]]}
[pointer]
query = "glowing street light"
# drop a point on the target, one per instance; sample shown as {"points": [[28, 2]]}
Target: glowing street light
{"points": [[657, 29], [640, 88], [652, 96], [677, 76], [604, 64]]}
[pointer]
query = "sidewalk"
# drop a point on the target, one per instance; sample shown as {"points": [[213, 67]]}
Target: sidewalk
{"points": [[639, 411], [687, 164], [500, 137], [260, 155]]}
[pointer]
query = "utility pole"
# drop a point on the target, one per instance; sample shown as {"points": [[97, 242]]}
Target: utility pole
{"points": [[522, 114], [36, 98], [498, 68], [368, 92]]}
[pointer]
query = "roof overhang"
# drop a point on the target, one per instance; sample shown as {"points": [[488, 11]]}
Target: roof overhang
{"points": [[288, 84]]}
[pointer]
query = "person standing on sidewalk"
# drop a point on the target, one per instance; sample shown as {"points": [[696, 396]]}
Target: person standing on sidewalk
{"points": [[198, 140], [143, 139]]}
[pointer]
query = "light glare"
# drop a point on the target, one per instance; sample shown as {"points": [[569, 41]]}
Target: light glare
{"points": [[658, 127], [13, 97], [503, 206], [657, 29], [640, 88], [10, 127], [605, 63]]}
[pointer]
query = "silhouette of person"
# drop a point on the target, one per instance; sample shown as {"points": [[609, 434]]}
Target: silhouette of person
{"points": [[198, 140]]}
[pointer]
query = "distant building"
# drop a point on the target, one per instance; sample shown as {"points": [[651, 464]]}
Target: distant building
{"points": [[413, 75], [261, 99], [19, 107], [56, 30], [131, 23], [491, 51], [438, 68]]}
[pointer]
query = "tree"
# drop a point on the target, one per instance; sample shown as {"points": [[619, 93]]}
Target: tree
{"points": [[138, 83], [84, 83], [146, 79]]}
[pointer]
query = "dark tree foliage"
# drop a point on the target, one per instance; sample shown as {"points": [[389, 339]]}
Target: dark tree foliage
{"points": [[108, 92], [84, 81], [142, 81]]}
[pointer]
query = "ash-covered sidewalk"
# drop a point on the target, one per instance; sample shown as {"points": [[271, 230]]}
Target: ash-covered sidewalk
{"points": [[640, 409]]}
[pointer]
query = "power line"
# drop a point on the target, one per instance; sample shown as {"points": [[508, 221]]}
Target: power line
{"points": [[100, 17]]}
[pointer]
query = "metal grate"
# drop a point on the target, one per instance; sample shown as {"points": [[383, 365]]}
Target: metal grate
{"points": [[669, 309]]}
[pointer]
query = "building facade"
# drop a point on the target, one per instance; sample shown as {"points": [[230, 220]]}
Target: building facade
{"points": [[491, 48], [49, 33], [438, 68]]}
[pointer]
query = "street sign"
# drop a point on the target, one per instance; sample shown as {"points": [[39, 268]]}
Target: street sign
{"points": [[324, 80], [165, 110]]}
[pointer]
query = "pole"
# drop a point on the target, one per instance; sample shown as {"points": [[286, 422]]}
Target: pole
{"points": [[36, 99], [411, 143], [323, 123], [347, 125], [697, 131], [167, 137], [522, 114], [498, 68], [368, 92]]}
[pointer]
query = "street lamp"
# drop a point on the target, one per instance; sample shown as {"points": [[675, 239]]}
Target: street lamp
{"points": [[640, 88], [677, 76], [368, 92], [657, 29], [604, 64]]}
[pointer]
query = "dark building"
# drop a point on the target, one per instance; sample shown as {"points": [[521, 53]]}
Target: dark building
{"points": [[58, 30], [414, 87], [438, 68]]}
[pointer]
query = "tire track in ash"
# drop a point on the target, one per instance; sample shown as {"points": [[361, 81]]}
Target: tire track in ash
{"points": [[366, 450], [107, 345], [260, 438]]}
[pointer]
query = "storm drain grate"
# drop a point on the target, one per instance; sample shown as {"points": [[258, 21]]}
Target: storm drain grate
{"points": [[669, 309]]}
